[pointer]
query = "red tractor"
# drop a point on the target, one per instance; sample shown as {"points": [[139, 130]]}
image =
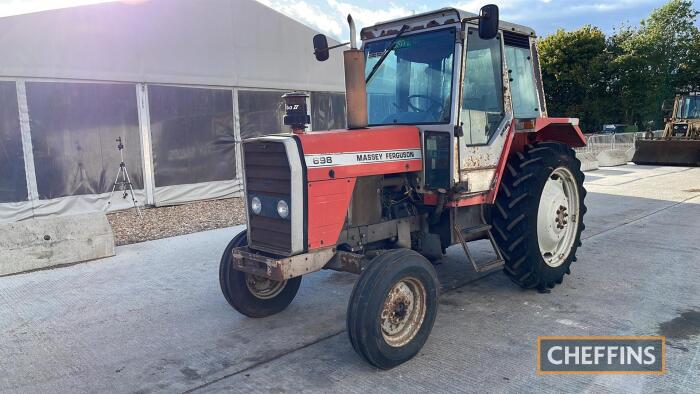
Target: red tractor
{"points": [[448, 142]]}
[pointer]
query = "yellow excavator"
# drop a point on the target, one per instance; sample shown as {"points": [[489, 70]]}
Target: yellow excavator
{"points": [[680, 142]]}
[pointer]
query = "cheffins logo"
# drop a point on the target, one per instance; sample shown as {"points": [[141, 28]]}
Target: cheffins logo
{"points": [[601, 355]]}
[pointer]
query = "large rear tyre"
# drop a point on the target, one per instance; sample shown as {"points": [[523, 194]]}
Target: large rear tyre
{"points": [[249, 294], [392, 308], [538, 215]]}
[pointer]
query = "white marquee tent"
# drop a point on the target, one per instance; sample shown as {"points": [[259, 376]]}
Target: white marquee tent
{"points": [[181, 81]]}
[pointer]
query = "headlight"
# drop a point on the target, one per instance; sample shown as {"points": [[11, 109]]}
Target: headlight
{"points": [[282, 209], [675, 127], [256, 205]]}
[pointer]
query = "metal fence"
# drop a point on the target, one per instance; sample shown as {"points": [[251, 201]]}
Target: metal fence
{"points": [[597, 143]]}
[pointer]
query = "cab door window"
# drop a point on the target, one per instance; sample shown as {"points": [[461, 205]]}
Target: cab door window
{"points": [[523, 89], [482, 93]]}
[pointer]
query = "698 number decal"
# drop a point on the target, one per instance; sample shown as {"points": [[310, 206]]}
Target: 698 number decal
{"points": [[322, 160]]}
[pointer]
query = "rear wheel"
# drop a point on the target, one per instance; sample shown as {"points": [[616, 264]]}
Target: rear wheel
{"points": [[249, 294], [538, 216], [392, 308]]}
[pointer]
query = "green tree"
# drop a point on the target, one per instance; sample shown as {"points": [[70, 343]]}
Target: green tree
{"points": [[575, 74], [656, 59], [624, 78]]}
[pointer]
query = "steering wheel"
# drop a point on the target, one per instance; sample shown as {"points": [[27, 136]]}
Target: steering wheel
{"points": [[435, 105]]}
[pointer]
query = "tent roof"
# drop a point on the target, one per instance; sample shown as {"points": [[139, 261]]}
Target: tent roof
{"points": [[215, 42]]}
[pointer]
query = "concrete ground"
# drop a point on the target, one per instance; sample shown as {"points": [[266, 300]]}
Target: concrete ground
{"points": [[152, 318]]}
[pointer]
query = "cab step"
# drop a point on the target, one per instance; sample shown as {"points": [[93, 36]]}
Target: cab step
{"points": [[472, 232]]}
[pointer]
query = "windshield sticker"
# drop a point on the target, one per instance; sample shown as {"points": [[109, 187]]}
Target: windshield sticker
{"points": [[375, 54]]}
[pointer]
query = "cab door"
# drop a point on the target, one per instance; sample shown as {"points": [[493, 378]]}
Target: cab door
{"points": [[485, 113]]}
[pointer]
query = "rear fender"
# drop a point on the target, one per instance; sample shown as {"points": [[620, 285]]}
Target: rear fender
{"points": [[564, 130]]}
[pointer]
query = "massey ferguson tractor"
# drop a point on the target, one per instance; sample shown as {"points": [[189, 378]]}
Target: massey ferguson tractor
{"points": [[448, 142]]}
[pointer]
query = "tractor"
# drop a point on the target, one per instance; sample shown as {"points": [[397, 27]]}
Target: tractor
{"points": [[447, 142], [679, 144]]}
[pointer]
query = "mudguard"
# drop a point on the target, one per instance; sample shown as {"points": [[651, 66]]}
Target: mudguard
{"points": [[565, 130]]}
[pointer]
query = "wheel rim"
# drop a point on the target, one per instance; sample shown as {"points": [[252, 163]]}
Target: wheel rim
{"points": [[557, 217], [403, 312], [262, 287]]}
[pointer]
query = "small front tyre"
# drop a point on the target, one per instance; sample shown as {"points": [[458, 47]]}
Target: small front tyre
{"points": [[392, 308], [252, 295]]}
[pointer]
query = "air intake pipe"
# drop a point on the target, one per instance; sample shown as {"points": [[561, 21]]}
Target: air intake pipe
{"points": [[355, 86]]}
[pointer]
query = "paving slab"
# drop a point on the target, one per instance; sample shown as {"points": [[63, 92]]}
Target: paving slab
{"points": [[152, 318]]}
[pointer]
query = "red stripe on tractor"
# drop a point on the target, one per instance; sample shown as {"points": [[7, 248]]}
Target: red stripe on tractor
{"points": [[491, 198], [361, 140]]}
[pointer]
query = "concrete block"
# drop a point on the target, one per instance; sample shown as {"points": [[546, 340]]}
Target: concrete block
{"points": [[50, 241], [588, 161], [612, 157]]}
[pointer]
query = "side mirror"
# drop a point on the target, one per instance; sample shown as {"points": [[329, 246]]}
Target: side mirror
{"points": [[321, 47], [488, 22]]}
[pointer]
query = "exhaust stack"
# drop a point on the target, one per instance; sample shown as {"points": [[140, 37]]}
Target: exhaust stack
{"points": [[355, 87]]}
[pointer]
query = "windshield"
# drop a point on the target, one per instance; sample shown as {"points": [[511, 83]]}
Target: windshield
{"points": [[414, 83], [689, 107]]}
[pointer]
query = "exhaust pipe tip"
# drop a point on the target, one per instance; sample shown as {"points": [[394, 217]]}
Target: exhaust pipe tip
{"points": [[355, 86]]}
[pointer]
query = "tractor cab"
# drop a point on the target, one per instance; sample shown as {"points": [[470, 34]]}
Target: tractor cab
{"points": [[685, 121], [461, 79]]}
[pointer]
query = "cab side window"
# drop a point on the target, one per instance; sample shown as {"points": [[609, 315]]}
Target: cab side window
{"points": [[523, 88], [482, 95]]}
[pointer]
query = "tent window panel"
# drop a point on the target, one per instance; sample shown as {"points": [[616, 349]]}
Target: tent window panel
{"points": [[328, 110], [74, 127], [13, 182], [192, 134], [261, 112]]}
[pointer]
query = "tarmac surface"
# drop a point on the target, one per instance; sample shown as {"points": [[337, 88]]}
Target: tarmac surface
{"points": [[152, 318]]}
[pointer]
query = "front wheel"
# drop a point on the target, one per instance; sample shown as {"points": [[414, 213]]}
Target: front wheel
{"points": [[249, 294], [392, 308], [538, 215]]}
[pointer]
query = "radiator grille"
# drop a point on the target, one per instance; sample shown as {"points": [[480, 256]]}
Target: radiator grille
{"points": [[268, 176]]}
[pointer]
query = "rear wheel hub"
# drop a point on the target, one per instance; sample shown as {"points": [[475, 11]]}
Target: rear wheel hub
{"points": [[557, 217]]}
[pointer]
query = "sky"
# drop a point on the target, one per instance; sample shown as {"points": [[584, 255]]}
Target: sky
{"points": [[328, 16]]}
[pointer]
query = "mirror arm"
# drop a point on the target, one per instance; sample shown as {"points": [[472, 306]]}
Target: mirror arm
{"points": [[331, 47], [469, 19]]}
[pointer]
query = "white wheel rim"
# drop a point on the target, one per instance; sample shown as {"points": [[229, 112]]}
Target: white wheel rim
{"points": [[558, 216], [262, 287], [403, 311]]}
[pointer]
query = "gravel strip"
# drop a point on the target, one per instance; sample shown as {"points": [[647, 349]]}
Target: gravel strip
{"points": [[163, 222]]}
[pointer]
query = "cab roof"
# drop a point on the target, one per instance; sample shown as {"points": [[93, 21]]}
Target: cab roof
{"points": [[443, 16]]}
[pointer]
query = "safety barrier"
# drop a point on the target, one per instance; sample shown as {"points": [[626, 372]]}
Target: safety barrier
{"points": [[55, 240], [607, 150], [596, 143]]}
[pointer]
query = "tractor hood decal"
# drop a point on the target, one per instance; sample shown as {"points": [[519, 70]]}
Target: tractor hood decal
{"points": [[355, 158], [337, 154]]}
